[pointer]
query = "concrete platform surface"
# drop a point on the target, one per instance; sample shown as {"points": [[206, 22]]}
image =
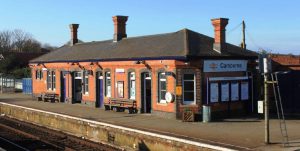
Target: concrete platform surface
{"points": [[247, 133]]}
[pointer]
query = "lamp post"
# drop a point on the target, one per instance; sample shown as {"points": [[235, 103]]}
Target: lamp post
{"points": [[266, 102]]}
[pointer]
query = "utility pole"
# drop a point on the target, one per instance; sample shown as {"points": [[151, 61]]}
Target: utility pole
{"points": [[266, 103], [243, 44]]}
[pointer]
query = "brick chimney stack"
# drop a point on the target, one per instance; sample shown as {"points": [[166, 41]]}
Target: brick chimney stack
{"points": [[119, 27], [220, 36], [74, 38]]}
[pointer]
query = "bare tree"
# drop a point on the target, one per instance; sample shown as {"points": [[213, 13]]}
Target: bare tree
{"points": [[18, 41], [6, 41], [20, 38]]}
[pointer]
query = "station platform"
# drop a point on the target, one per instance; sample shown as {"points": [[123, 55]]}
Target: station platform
{"points": [[240, 134]]}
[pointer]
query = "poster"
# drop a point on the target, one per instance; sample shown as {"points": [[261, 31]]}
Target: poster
{"points": [[235, 91], [244, 91], [214, 92], [120, 87], [224, 91]]}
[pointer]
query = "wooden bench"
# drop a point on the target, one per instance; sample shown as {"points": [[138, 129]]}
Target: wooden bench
{"points": [[49, 96], [120, 105], [39, 97]]}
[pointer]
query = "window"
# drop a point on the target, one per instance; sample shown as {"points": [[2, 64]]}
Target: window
{"points": [[131, 85], [86, 82], [162, 87], [244, 90], [107, 84], [51, 81], [189, 96], [224, 91], [214, 92], [120, 87], [235, 91], [39, 74]]}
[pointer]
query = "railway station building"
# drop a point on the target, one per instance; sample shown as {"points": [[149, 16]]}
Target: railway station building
{"points": [[165, 74]]}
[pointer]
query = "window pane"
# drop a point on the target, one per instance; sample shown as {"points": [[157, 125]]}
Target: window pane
{"points": [[132, 89], [53, 80], [163, 85], [107, 84], [224, 91], [188, 85], [41, 74], [235, 91], [188, 76], [162, 76], [86, 82], [49, 80], [188, 96], [162, 95], [37, 74], [214, 92]]}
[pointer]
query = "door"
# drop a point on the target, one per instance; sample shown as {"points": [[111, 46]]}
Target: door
{"points": [[77, 87], [146, 93], [63, 86], [99, 89]]}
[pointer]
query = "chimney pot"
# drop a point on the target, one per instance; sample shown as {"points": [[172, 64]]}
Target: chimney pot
{"points": [[119, 27], [220, 35], [74, 38]]}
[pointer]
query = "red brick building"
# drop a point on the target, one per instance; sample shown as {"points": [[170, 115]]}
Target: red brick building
{"points": [[282, 62], [194, 68], [289, 82]]}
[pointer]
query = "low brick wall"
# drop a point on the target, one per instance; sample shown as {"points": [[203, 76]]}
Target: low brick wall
{"points": [[103, 132]]}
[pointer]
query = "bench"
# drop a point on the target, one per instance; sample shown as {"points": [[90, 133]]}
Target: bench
{"points": [[120, 105], [47, 96], [51, 96]]}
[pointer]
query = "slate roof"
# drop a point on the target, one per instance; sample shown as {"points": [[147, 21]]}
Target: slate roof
{"points": [[176, 45]]}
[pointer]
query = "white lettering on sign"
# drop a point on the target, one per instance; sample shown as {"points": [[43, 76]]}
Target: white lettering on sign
{"points": [[120, 70], [225, 65]]}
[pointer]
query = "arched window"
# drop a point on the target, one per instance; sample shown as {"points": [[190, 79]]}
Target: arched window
{"points": [[51, 81], [162, 87], [107, 84], [86, 82], [131, 85]]}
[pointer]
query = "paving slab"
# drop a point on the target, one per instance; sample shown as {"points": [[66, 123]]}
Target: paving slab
{"points": [[244, 133]]}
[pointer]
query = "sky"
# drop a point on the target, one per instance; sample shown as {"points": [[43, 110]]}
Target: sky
{"points": [[272, 25]]}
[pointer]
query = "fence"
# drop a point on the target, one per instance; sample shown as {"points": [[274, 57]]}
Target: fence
{"points": [[8, 84], [27, 85]]}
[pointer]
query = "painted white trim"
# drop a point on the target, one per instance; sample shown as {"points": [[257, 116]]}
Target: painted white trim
{"points": [[90, 122], [189, 102]]}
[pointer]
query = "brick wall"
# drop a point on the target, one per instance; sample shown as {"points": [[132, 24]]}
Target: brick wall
{"points": [[39, 86]]}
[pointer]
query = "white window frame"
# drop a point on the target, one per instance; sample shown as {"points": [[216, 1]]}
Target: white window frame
{"points": [[189, 102], [131, 79], [85, 82], [159, 87], [52, 77], [39, 74], [108, 93]]}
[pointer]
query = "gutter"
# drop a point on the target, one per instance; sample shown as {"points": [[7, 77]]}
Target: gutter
{"points": [[183, 58]]}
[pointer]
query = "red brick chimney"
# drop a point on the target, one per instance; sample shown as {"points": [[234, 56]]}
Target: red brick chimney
{"points": [[74, 38], [220, 36], [119, 27]]}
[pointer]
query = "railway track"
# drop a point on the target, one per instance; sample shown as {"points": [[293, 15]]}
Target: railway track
{"points": [[18, 135]]}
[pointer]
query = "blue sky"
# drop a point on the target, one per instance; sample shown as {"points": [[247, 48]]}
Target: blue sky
{"points": [[271, 25]]}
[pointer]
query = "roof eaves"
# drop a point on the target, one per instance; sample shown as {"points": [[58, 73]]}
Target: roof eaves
{"points": [[116, 59]]}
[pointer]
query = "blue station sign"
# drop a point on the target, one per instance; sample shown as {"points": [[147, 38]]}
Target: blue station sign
{"points": [[225, 65]]}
